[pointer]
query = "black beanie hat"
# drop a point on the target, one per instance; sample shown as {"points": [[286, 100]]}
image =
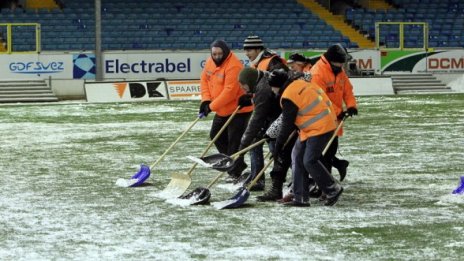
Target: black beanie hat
{"points": [[278, 78], [337, 53], [225, 49]]}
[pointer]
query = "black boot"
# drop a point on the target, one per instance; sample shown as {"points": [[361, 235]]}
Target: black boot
{"points": [[274, 193], [236, 170], [341, 166], [259, 186]]}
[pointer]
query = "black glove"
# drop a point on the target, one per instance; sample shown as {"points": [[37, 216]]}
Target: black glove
{"points": [[352, 111], [204, 108], [342, 115], [245, 100]]}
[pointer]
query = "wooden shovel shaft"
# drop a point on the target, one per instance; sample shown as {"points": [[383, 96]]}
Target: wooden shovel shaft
{"points": [[238, 153], [174, 143], [231, 117], [333, 136], [253, 182]]}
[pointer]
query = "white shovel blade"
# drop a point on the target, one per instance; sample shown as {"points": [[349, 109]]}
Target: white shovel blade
{"points": [[199, 161]]}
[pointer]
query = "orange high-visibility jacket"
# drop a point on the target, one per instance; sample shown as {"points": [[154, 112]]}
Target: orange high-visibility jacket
{"points": [[263, 65], [338, 88], [220, 85], [315, 112], [307, 67]]}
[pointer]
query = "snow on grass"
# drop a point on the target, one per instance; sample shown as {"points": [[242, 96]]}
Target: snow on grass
{"points": [[59, 199]]}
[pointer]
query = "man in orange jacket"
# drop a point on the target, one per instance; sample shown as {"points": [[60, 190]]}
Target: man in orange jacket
{"points": [[262, 59], [220, 91], [299, 63], [329, 75], [306, 106]]}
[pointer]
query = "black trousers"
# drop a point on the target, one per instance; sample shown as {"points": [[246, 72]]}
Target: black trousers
{"points": [[280, 168], [229, 141], [329, 157]]}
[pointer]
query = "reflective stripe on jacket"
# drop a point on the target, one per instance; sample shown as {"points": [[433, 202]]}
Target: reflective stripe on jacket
{"points": [[315, 112], [220, 85], [338, 88]]}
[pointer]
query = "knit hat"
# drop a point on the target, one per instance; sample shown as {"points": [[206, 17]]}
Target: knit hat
{"points": [[253, 42], [337, 53], [278, 78], [296, 57], [249, 76]]}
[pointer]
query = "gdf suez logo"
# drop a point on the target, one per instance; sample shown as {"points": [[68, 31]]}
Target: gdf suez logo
{"points": [[139, 90]]}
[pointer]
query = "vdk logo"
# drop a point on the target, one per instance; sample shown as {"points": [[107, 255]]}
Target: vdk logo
{"points": [[36, 67], [139, 90]]}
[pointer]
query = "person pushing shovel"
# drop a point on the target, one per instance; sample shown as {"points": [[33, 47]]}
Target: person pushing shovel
{"points": [[220, 92], [266, 110], [306, 106]]}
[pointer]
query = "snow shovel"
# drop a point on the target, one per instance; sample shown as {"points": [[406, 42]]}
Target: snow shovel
{"points": [[201, 195], [244, 192], [180, 182], [223, 162], [138, 178]]}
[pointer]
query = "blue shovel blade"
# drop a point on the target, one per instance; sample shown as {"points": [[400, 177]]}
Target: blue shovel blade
{"points": [[236, 201], [141, 175], [460, 188]]}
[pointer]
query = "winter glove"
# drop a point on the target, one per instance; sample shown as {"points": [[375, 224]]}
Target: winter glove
{"points": [[342, 115], [204, 108], [245, 100], [352, 111]]}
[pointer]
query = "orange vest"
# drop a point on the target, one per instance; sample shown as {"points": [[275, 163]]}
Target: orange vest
{"points": [[307, 67], [220, 86], [263, 65], [315, 112], [338, 88]]}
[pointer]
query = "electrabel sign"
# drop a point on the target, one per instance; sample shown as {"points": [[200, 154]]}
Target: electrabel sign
{"points": [[36, 67], [142, 66]]}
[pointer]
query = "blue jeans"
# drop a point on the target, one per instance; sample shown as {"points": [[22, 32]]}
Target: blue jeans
{"points": [[256, 160], [306, 158]]}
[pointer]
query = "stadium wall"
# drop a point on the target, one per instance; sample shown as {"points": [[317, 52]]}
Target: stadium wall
{"points": [[68, 72]]}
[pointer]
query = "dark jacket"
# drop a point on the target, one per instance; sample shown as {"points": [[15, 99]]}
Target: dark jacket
{"points": [[266, 110]]}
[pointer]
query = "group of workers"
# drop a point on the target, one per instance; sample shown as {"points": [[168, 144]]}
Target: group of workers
{"points": [[295, 105]]}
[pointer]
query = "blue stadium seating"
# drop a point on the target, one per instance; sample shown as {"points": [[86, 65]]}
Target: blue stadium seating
{"points": [[185, 24], [180, 24], [444, 17]]}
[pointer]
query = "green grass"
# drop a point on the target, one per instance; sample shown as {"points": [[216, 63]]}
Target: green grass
{"points": [[60, 163]]}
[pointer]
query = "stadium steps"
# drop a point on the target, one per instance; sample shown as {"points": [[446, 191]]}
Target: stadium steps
{"points": [[375, 5], [418, 83], [26, 91], [338, 23], [39, 4]]}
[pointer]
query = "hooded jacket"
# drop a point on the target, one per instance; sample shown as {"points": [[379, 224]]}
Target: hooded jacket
{"points": [[219, 85], [337, 87]]}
